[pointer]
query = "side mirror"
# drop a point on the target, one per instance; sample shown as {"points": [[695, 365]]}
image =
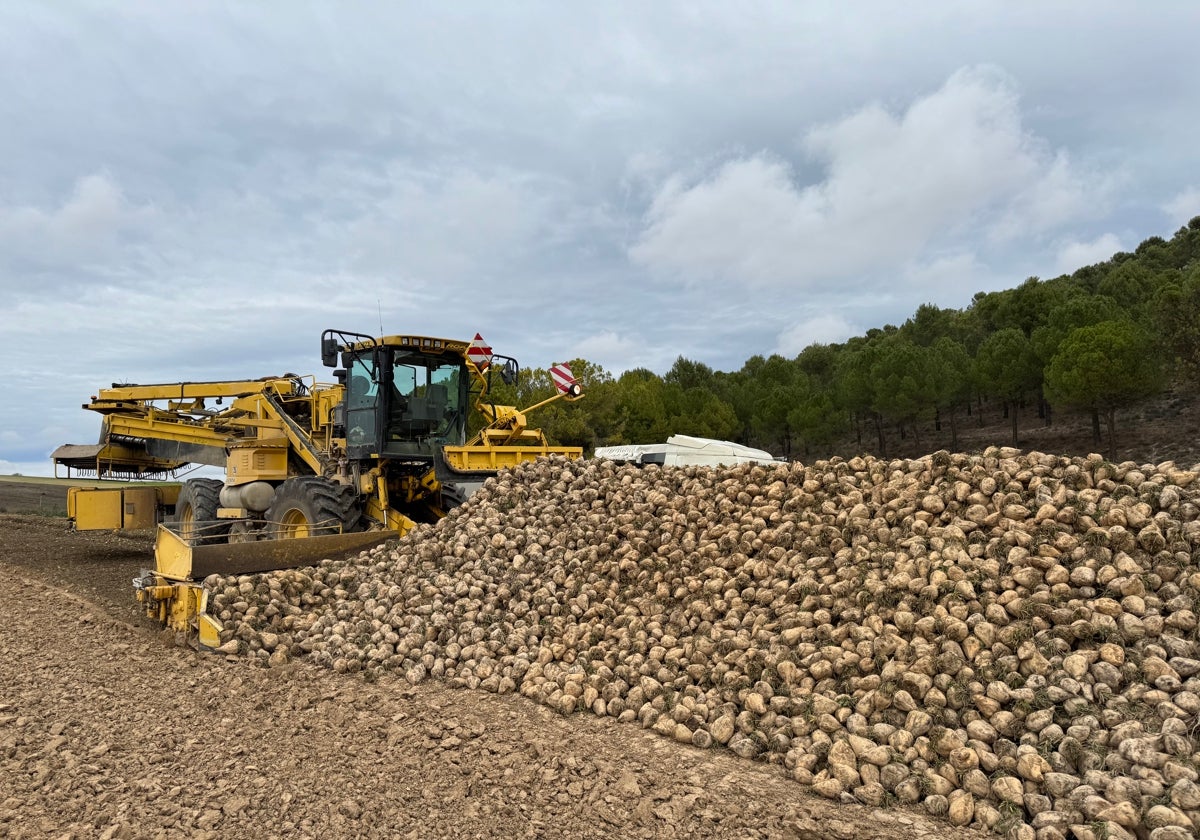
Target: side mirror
{"points": [[329, 352], [509, 372]]}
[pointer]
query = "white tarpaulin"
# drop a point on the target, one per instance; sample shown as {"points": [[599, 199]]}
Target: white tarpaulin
{"points": [[684, 450]]}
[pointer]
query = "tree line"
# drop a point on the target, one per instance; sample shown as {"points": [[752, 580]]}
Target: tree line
{"points": [[1099, 339]]}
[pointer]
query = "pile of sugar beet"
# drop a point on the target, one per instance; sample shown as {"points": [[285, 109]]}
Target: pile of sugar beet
{"points": [[1007, 639]]}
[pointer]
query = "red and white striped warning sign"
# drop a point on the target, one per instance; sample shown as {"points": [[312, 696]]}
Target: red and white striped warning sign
{"points": [[563, 378], [479, 353]]}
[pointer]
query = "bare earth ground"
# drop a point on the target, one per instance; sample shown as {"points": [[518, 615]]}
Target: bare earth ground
{"points": [[107, 730], [38, 496]]}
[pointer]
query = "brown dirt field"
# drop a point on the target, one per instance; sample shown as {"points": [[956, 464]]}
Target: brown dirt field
{"points": [[42, 498], [108, 730]]}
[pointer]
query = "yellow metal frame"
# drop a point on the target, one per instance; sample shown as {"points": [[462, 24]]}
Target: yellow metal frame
{"points": [[182, 607], [177, 560], [252, 417]]}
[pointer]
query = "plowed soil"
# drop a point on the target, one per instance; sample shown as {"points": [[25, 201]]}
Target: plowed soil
{"points": [[109, 730]]}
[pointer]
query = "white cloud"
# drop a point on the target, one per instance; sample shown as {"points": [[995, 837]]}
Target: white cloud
{"points": [[827, 328], [38, 468], [741, 222], [85, 228], [1055, 196], [618, 352], [1074, 255], [955, 160], [645, 167], [611, 350], [1184, 207], [96, 209], [949, 279], [606, 343]]}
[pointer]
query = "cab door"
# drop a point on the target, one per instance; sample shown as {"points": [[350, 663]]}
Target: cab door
{"points": [[363, 409]]}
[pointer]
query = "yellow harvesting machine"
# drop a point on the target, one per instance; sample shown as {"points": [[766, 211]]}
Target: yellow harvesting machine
{"points": [[312, 470]]}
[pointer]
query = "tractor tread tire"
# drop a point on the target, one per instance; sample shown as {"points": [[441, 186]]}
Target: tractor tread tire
{"points": [[328, 507], [453, 496], [202, 496]]}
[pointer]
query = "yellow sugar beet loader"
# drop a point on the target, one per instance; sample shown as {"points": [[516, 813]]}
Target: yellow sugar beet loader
{"points": [[312, 470]]}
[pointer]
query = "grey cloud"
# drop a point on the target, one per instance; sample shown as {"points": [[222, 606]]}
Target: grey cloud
{"points": [[87, 231], [1183, 206], [193, 191]]}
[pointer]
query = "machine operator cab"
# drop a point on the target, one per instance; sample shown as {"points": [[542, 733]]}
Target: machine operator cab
{"points": [[406, 397]]}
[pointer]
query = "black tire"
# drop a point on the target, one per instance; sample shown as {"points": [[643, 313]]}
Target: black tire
{"points": [[196, 512], [452, 496], [310, 506]]}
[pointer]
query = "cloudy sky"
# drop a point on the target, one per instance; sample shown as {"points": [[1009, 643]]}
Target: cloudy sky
{"points": [[194, 191]]}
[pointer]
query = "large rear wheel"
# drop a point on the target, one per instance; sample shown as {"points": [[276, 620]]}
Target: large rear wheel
{"points": [[453, 496], [310, 506], [196, 512]]}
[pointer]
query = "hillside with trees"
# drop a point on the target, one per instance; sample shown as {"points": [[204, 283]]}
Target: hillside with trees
{"points": [[1101, 360]]}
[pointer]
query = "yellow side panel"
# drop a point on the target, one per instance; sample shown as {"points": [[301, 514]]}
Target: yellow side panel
{"points": [[118, 508], [209, 630], [469, 458], [172, 555], [257, 463], [140, 507], [95, 508]]}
